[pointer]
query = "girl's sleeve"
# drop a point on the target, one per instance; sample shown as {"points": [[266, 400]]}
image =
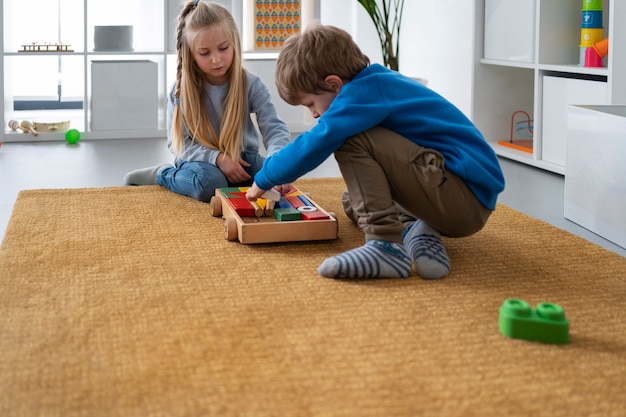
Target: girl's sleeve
{"points": [[274, 131]]}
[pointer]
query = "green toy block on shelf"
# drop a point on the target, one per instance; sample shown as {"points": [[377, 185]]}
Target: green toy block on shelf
{"points": [[546, 323]]}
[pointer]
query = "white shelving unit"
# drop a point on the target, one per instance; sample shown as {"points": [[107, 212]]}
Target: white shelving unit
{"points": [[534, 66], [73, 22]]}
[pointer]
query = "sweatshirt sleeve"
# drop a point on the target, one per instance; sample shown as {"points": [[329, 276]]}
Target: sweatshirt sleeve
{"points": [[349, 114], [274, 131]]}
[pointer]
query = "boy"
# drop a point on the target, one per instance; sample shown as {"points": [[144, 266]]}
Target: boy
{"points": [[415, 167]]}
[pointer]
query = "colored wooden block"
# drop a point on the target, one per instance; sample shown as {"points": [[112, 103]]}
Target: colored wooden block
{"points": [[287, 214], [305, 200], [314, 215], [269, 208], [227, 190], [258, 210], [271, 195], [283, 203], [294, 201], [261, 202], [240, 204]]}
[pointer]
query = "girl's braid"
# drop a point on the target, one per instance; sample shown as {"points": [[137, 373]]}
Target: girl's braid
{"points": [[180, 33]]}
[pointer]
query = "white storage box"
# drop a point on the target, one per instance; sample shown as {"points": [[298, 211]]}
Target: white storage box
{"points": [[595, 189], [558, 93], [510, 30], [124, 95]]}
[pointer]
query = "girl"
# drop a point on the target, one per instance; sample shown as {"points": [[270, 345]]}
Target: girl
{"points": [[210, 130]]}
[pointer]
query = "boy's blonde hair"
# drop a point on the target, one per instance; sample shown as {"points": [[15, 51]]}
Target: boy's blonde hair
{"points": [[190, 116], [306, 59]]}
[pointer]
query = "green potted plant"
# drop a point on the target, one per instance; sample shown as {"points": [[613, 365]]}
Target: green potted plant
{"points": [[387, 20]]}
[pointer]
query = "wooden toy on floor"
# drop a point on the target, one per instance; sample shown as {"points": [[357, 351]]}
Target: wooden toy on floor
{"points": [[267, 221], [27, 126]]}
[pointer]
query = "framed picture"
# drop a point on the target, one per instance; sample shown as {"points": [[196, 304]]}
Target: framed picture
{"points": [[268, 23]]}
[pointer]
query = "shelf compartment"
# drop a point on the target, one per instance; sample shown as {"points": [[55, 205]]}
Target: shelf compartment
{"points": [[510, 30]]}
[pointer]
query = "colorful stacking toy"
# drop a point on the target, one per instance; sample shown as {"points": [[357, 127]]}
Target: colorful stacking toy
{"points": [[591, 32]]}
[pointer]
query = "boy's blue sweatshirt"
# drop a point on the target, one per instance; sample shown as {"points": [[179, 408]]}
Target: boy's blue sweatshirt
{"points": [[379, 96]]}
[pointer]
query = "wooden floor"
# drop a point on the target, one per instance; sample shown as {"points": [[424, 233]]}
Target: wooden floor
{"points": [[101, 163]]}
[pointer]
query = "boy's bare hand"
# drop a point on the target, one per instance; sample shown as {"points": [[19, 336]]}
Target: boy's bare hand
{"points": [[283, 189], [254, 192], [233, 171]]}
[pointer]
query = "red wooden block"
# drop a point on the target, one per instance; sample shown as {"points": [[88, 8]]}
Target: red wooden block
{"points": [[240, 204], [294, 201], [314, 215]]}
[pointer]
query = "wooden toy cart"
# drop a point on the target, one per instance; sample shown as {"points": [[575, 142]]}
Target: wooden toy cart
{"points": [[261, 228]]}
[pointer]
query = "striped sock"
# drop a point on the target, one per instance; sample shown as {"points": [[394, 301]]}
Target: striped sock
{"points": [[375, 259], [424, 245]]}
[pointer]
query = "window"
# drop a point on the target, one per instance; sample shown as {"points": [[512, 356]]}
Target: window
{"points": [[46, 81]]}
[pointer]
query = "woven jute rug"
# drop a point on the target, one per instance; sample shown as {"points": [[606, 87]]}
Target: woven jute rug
{"points": [[128, 301]]}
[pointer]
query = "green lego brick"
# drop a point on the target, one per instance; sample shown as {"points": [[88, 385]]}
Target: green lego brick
{"points": [[546, 323], [287, 214]]}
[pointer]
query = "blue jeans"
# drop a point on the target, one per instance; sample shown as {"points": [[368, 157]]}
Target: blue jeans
{"points": [[199, 180]]}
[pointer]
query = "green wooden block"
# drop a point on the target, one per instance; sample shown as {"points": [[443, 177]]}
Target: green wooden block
{"points": [[546, 323], [287, 214]]}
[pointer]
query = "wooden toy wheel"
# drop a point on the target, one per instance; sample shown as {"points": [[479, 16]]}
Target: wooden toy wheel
{"points": [[216, 206], [230, 228]]}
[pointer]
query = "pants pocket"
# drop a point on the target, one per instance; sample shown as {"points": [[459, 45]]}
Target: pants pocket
{"points": [[429, 168]]}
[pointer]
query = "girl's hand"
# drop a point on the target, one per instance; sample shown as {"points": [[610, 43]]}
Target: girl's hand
{"points": [[233, 171]]}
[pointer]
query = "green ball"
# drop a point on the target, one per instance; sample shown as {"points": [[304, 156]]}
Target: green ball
{"points": [[72, 136]]}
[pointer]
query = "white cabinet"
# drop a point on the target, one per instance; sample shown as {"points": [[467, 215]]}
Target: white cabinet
{"points": [[59, 84], [558, 93], [595, 191], [124, 95], [527, 58]]}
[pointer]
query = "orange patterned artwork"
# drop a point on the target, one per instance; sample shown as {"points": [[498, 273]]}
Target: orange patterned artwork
{"points": [[275, 21]]}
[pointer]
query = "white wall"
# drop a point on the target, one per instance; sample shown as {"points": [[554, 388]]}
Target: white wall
{"points": [[436, 42]]}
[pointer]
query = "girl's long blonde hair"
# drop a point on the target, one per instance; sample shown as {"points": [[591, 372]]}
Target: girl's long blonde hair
{"points": [[191, 115]]}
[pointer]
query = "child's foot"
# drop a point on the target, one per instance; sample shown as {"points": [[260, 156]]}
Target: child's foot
{"points": [[424, 245], [375, 259], [144, 176]]}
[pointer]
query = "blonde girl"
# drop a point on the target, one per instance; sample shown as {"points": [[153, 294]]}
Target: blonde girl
{"points": [[210, 129]]}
